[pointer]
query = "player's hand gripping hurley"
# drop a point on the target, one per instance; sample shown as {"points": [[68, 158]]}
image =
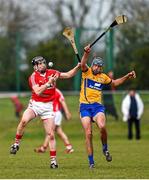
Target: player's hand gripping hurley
{"points": [[69, 34]]}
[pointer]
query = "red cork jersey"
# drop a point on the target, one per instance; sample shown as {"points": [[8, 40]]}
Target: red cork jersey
{"points": [[40, 79]]}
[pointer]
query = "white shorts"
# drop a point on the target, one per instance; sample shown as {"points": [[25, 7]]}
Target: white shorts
{"points": [[42, 109], [58, 118]]}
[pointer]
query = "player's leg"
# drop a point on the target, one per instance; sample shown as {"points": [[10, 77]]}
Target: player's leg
{"points": [[130, 123], [86, 123], [49, 127], [101, 123], [63, 136], [27, 116], [137, 127], [60, 132]]}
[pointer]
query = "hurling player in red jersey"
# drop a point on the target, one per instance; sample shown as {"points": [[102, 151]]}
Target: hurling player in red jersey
{"points": [[43, 85], [59, 104]]}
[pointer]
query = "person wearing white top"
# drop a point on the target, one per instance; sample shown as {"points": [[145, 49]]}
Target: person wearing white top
{"points": [[132, 109]]}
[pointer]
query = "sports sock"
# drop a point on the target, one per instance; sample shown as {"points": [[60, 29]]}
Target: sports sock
{"points": [[68, 146], [18, 138], [44, 147], [91, 159], [105, 147], [52, 154]]}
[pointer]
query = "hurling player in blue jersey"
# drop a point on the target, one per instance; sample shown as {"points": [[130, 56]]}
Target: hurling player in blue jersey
{"points": [[91, 107]]}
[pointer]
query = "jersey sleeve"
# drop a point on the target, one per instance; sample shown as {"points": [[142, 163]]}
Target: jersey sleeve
{"points": [[52, 71], [32, 81], [86, 73], [58, 73], [108, 80]]}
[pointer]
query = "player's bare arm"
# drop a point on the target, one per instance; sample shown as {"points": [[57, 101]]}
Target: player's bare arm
{"points": [[66, 110], [71, 73], [84, 59], [39, 89], [119, 81]]}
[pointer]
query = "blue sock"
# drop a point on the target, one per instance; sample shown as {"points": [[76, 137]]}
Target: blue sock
{"points": [[105, 147], [91, 159]]}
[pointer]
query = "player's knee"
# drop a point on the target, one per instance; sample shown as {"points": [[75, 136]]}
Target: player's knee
{"points": [[51, 136], [102, 126]]}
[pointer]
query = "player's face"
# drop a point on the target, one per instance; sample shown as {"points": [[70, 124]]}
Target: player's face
{"points": [[132, 93], [96, 69], [41, 67]]}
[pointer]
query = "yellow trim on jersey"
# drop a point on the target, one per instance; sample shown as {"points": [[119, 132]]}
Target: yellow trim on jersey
{"points": [[91, 86]]}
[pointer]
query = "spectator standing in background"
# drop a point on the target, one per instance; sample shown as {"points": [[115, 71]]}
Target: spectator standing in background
{"points": [[132, 109]]}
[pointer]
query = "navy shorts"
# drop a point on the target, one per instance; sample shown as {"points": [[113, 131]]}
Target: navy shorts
{"points": [[91, 110]]}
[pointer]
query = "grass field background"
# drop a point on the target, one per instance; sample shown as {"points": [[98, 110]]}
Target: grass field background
{"points": [[130, 158]]}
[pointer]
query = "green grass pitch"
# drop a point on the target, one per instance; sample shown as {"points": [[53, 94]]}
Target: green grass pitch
{"points": [[130, 158]]}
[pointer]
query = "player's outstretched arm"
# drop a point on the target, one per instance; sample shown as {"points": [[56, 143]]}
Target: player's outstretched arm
{"points": [[84, 59], [71, 73], [119, 81], [66, 110]]}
